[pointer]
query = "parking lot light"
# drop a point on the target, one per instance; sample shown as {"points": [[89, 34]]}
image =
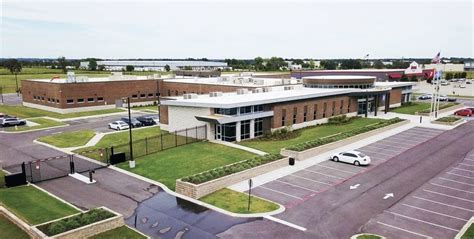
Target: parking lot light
{"points": [[132, 161]]}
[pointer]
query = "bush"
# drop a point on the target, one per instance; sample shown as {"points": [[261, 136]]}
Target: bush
{"points": [[71, 223], [341, 119], [230, 169], [333, 138], [280, 134], [448, 119]]}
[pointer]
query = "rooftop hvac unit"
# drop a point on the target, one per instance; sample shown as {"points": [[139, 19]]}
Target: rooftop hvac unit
{"points": [[259, 81], [288, 88], [238, 81], [267, 89], [257, 90], [190, 96], [242, 91], [70, 77], [215, 94]]}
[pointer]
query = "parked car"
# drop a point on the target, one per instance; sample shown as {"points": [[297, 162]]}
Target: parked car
{"points": [[464, 112], [118, 125], [353, 157], [444, 83], [146, 120], [134, 123], [425, 97], [451, 99], [11, 121], [468, 82], [443, 98]]}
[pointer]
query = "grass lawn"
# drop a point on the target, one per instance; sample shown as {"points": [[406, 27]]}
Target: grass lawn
{"points": [[469, 234], [68, 139], [33, 205], [2, 178], [171, 164], [368, 236], [237, 202], [43, 123], [27, 112], [122, 232], [412, 108], [310, 133], [9, 230]]}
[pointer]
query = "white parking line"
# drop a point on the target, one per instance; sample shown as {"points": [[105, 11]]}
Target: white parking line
{"points": [[289, 195], [446, 195], [461, 169], [465, 164], [293, 185], [419, 220], [450, 180], [285, 223], [437, 213], [396, 151], [459, 175], [310, 179], [405, 230], [444, 204], [327, 175], [408, 139], [457, 189], [340, 170], [395, 142]]}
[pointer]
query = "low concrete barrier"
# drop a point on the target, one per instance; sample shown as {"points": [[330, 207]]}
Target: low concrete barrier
{"points": [[197, 191], [306, 154], [84, 231], [454, 107]]}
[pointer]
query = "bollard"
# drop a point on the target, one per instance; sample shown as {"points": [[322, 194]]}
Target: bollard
{"points": [[90, 176], [421, 119]]}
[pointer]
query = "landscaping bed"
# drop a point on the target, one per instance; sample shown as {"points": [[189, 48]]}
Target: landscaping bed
{"points": [[448, 120], [33, 205], [336, 137], [469, 234], [42, 123], [306, 134], [68, 139], [237, 202], [76, 221]]}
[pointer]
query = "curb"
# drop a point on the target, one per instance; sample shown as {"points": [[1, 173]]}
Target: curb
{"points": [[33, 130]]}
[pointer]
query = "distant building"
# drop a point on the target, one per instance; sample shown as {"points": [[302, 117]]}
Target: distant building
{"points": [[159, 65], [469, 65], [446, 67]]}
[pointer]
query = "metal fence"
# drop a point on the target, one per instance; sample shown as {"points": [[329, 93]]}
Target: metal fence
{"points": [[149, 145]]}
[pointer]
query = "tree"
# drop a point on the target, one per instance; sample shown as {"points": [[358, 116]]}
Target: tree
{"points": [[275, 64], [378, 64], [329, 65], [351, 64], [167, 68], [101, 68], [62, 64], [404, 78], [258, 63], [449, 76], [14, 66], [312, 64], [463, 74], [188, 68], [129, 68], [413, 78], [92, 64]]}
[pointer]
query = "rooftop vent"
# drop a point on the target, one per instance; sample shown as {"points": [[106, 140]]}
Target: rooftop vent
{"points": [[257, 90], [215, 94], [190, 96]]}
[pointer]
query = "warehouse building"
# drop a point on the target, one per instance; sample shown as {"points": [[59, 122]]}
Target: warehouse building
{"points": [[159, 65], [247, 114]]}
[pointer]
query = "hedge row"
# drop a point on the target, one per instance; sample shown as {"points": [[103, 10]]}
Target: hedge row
{"points": [[441, 106], [448, 119], [231, 169], [71, 223], [340, 136]]}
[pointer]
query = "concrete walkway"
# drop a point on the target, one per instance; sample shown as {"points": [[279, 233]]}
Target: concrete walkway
{"points": [[238, 146], [92, 142]]}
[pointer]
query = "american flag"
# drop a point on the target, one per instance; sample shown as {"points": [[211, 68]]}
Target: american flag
{"points": [[437, 58]]}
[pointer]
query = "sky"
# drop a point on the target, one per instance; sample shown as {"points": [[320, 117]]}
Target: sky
{"points": [[236, 29]]}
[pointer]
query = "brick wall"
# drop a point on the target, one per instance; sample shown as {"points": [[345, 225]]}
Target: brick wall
{"points": [[203, 189], [395, 96], [164, 114]]}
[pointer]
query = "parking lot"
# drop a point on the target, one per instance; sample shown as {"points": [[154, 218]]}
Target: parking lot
{"points": [[438, 209], [296, 188]]}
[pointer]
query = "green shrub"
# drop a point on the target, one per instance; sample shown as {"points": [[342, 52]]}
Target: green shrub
{"points": [[230, 169], [448, 119]]}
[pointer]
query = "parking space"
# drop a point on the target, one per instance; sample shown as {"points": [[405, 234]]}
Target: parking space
{"points": [[296, 188], [438, 209]]}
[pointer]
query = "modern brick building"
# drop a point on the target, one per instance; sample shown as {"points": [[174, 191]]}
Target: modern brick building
{"points": [[247, 114]]}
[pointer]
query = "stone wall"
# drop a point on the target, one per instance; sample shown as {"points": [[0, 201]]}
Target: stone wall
{"points": [[334, 145], [88, 230], [203, 189]]}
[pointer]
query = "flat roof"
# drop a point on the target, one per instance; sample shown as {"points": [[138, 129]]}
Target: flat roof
{"points": [[338, 77], [163, 63], [244, 81], [393, 84], [85, 79], [354, 70]]}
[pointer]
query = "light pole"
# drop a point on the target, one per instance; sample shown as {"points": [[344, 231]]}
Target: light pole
{"points": [[132, 161]]}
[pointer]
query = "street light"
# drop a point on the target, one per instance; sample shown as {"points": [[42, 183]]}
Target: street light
{"points": [[132, 161]]}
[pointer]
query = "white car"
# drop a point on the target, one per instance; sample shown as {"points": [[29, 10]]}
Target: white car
{"points": [[118, 125], [443, 98], [353, 157]]}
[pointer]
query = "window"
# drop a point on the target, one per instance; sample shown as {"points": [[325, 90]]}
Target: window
{"points": [[184, 92], [245, 129], [258, 127], [333, 108], [341, 106], [315, 111], [150, 95], [283, 116], [305, 113], [222, 111], [100, 99], [134, 96], [69, 101], [245, 110], [80, 100], [42, 98], [49, 100], [295, 111], [157, 94], [57, 101], [169, 92], [142, 95], [90, 100], [257, 108], [228, 132], [325, 106], [176, 92]]}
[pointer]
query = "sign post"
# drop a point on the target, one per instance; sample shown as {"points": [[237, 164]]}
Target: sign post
{"points": [[250, 192]]}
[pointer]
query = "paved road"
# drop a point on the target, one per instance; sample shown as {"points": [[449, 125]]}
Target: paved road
{"points": [[340, 212]]}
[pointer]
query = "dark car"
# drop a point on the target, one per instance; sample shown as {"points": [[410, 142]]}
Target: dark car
{"points": [[134, 124], [451, 99], [463, 112], [10, 121], [146, 121]]}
